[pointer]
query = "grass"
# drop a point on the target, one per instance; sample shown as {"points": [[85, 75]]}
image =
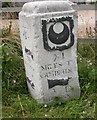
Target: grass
{"points": [[17, 102]]}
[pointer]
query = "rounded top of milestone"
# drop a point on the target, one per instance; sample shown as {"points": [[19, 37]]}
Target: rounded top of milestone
{"points": [[46, 6]]}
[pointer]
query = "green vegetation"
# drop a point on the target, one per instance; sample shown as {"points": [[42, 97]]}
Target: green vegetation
{"points": [[17, 102]]}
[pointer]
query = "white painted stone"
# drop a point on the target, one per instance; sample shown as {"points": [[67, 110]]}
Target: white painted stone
{"points": [[51, 70]]}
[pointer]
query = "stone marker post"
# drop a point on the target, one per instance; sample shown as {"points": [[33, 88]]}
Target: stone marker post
{"points": [[48, 31]]}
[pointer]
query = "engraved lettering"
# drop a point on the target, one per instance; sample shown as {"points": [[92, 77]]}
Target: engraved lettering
{"points": [[56, 57], [63, 56], [49, 66], [56, 69], [55, 65], [41, 76], [69, 62], [54, 90], [44, 67], [60, 64], [46, 75]]}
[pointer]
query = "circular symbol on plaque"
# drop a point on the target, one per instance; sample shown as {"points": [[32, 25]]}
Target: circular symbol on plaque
{"points": [[58, 33]]}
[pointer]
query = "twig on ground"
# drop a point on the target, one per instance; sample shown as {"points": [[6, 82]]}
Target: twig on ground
{"points": [[21, 105]]}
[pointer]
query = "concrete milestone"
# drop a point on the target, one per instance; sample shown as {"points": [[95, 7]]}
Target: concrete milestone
{"points": [[48, 31]]}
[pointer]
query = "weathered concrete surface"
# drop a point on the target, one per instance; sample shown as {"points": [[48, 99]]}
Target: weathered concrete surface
{"points": [[49, 37]]}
